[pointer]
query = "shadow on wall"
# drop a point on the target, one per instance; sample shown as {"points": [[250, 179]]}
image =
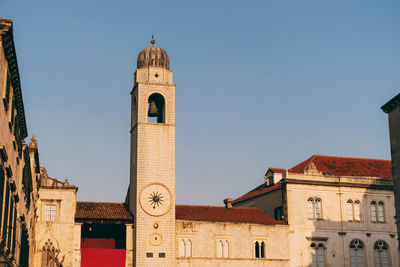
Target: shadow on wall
{"points": [[365, 235]]}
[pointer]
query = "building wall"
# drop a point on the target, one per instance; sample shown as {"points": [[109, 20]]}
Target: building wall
{"points": [[268, 203], [153, 163], [394, 127], [17, 162], [241, 237], [335, 230], [63, 232]]}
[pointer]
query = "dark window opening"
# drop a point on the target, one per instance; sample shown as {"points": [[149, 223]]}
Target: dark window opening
{"points": [[156, 108], [5, 219], [257, 248], [262, 249], [149, 254], [278, 213], [161, 255], [103, 236]]}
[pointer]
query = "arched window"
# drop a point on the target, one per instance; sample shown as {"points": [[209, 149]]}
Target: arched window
{"points": [[259, 247], [353, 210], [226, 249], [357, 210], [317, 255], [310, 208], [262, 249], [349, 207], [188, 252], [381, 212], [184, 247], [48, 254], [220, 249], [374, 217], [381, 254], [156, 108], [314, 208], [318, 208], [181, 247], [356, 253]]}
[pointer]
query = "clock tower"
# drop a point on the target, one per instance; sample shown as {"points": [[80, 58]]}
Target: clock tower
{"points": [[151, 195]]}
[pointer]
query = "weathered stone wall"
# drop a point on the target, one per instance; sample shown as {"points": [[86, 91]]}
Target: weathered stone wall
{"points": [[241, 238], [394, 127], [64, 233], [335, 230], [153, 162], [18, 187]]}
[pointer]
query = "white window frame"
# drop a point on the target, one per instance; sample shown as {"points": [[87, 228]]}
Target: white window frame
{"points": [[318, 251], [185, 247], [314, 208], [381, 212], [51, 212], [357, 252], [353, 209], [223, 248], [377, 211], [381, 254]]}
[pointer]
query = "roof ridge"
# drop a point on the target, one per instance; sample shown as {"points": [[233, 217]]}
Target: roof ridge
{"points": [[209, 206], [100, 202], [347, 157]]}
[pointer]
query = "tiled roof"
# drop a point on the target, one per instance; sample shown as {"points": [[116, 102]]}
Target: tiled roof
{"points": [[259, 190], [332, 166], [222, 214], [101, 211], [278, 170], [346, 166], [5, 20]]}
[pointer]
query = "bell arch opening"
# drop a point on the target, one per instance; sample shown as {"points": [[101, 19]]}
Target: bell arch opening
{"points": [[156, 108]]}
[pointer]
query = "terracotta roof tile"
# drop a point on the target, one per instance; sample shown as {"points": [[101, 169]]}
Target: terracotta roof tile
{"points": [[331, 165], [5, 20], [346, 166], [222, 214], [278, 170], [102, 211], [259, 190]]}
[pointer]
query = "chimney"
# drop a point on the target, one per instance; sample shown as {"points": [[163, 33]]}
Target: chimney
{"points": [[228, 203]]}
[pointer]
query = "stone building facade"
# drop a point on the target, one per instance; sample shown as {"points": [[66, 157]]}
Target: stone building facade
{"points": [[392, 108], [19, 162], [325, 211], [340, 211]]}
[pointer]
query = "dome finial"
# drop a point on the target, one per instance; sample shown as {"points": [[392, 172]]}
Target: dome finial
{"points": [[152, 40]]}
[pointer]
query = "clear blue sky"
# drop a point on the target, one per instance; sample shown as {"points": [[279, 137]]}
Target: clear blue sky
{"points": [[259, 84]]}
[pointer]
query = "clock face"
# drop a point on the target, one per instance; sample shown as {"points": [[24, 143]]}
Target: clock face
{"points": [[155, 199]]}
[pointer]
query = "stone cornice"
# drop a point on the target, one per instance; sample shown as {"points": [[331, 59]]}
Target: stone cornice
{"points": [[7, 38], [382, 184], [389, 106]]}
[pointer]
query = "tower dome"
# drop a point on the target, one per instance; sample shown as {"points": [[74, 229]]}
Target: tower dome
{"points": [[153, 56]]}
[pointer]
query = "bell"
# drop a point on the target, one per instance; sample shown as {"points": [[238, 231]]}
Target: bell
{"points": [[153, 112]]}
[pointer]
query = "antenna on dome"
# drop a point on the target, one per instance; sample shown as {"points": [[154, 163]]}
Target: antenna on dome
{"points": [[152, 40]]}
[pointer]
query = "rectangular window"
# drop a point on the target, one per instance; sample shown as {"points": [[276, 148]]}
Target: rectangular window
{"points": [[6, 206], [51, 212], [161, 255], [149, 254], [6, 98]]}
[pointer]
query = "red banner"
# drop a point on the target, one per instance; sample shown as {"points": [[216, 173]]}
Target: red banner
{"points": [[91, 257]]}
